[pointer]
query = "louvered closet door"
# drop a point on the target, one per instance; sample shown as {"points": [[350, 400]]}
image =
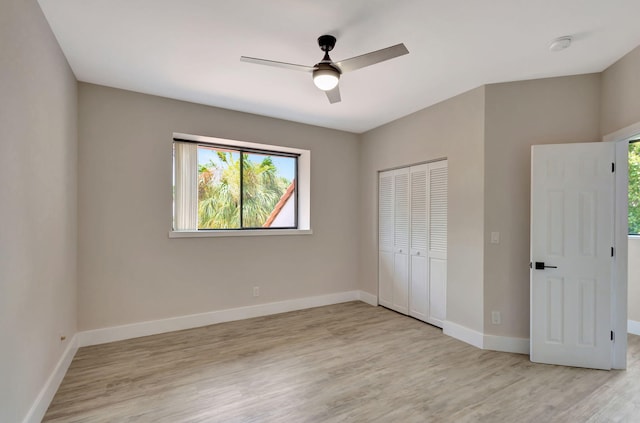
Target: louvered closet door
{"points": [[437, 241], [418, 280], [401, 241], [385, 238]]}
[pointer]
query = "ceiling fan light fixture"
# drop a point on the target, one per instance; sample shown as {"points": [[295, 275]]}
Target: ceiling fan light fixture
{"points": [[326, 77]]}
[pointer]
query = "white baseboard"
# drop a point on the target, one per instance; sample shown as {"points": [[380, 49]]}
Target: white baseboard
{"points": [[134, 330], [370, 299], [506, 344], [463, 334], [40, 405], [633, 327], [486, 342]]}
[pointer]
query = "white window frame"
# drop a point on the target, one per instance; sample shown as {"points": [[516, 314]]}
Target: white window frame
{"points": [[303, 187]]}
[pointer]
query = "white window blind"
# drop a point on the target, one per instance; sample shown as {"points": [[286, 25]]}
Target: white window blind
{"points": [[186, 195]]}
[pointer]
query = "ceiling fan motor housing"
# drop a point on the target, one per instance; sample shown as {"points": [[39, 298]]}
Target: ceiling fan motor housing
{"points": [[326, 42]]}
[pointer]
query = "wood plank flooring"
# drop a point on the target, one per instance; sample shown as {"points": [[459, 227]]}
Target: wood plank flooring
{"points": [[342, 363]]}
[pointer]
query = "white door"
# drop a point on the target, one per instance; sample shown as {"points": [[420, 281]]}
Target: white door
{"points": [[393, 239], [401, 241], [437, 249], [419, 282], [572, 218], [385, 238]]}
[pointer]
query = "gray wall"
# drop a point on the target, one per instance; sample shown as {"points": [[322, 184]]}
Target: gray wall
{"points": [[130, 271], [519, 115], [453, 129], [620, 105], [38, 152]]}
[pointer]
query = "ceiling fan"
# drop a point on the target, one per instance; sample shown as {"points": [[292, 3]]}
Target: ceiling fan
{"points": [[327, 73]]}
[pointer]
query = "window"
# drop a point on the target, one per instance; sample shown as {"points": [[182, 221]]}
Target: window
{"points": [[238, 189], [634, 187], [233, 186]]}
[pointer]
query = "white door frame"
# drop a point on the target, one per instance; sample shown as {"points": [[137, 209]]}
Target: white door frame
{"points": [[619, 309]]}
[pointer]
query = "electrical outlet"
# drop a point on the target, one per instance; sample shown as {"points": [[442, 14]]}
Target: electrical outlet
{"points": [[256, 291], [496, 319]]}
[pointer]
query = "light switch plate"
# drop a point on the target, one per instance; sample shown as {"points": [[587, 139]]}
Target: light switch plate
{"points": [[495, 237]]}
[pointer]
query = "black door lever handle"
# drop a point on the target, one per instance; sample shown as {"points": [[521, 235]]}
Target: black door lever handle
{"points": [[541, 266]]}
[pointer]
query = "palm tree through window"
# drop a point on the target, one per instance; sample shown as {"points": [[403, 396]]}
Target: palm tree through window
{"points": [[239, 189]]}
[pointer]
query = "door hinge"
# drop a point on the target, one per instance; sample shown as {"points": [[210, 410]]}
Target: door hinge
{"points": [[613, 167], [613, 337], [612, 251]]}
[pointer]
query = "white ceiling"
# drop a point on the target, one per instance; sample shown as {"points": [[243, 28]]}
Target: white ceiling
{"points": [[190, 49]]}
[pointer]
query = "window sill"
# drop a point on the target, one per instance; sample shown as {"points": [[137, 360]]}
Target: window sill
{"points": [[232, 233]]}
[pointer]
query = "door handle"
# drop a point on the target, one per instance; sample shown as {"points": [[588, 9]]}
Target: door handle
{"points": [[541, 266]]}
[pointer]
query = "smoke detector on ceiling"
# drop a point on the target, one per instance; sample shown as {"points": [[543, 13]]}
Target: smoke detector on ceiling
{"points": [[559, 44]]}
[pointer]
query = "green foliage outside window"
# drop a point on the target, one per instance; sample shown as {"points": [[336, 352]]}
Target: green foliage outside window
{"points": [[219, 196], [634, 188]]}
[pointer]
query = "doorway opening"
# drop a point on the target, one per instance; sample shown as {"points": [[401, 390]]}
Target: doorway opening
{"points": [[633, 287]]}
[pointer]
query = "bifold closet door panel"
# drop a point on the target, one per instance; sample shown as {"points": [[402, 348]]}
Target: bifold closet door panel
{"points": [[401, 223], [437, 244], [385, 238], [418, 281]]}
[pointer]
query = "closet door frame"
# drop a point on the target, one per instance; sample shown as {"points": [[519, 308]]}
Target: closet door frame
{"points": [[405, 271]]}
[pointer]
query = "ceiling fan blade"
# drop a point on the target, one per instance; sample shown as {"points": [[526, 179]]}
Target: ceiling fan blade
{"points": [[372, 58], [273, 63], [334, 95]]}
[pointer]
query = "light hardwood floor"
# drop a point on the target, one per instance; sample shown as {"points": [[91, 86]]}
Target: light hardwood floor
{"points": [[343, 363]]}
